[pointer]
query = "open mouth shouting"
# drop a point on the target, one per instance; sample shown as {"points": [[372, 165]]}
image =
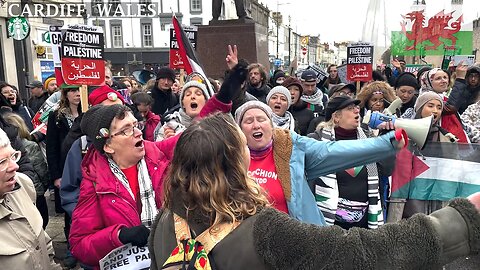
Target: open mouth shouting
{"points": [[193, 106], [139, 144], [257, 135]]}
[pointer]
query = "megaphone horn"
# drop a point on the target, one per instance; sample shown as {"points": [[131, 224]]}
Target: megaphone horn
{"points": [[143, 76], [417, 129], [396, 104]]}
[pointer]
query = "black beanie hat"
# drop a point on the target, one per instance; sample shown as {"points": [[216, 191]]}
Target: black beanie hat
{"points": [[167, 73], [96, 123], [338, 103], [407, 79]]}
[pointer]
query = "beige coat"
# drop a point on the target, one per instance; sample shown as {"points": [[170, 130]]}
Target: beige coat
{"points": [[23, 242]]}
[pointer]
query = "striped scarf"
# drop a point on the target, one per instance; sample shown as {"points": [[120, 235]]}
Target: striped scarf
{"points": [[147, 196], [284, 122], [327, 194]]}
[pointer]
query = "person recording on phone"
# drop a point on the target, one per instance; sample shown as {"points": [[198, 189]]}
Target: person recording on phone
{"points": [[466, 89]]}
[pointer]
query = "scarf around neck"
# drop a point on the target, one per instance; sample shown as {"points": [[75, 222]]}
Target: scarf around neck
{"points": [[315, 99], [284, 122], [147, 195]]}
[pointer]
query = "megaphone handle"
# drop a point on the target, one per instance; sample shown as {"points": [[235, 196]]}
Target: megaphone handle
{"points": [[401, 134]]}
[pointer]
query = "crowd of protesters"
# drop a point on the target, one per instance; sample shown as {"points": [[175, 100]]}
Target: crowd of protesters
{"points": [[239, 153]]}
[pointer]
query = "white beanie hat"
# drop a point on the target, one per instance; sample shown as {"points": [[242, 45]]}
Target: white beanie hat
{"points": [[197, 84], [282, 90], [253, 104]]}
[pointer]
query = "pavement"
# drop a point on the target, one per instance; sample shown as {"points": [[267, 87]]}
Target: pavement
{"points": [[55, 230]]}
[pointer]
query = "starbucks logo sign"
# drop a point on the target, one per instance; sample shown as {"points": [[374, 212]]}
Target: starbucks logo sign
{"points": [[18, 28]]}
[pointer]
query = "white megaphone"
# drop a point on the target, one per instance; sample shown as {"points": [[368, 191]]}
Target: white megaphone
{"points": [[392, 109], [417, 129]]}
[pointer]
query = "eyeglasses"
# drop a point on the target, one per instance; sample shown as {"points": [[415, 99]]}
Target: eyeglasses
{"points": [[15, 157], [130, 130]]}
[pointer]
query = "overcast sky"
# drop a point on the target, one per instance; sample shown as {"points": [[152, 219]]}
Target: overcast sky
{"points": [[343, 20]]}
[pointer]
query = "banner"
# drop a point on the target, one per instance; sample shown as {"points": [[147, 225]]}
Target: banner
{"points": [[420, 36], [359, 62], [82, 55], [446, 170], [190, 59], [176, 61]]}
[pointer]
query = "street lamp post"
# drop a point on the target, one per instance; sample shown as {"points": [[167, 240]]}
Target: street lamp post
{"points": [[277, 20]]}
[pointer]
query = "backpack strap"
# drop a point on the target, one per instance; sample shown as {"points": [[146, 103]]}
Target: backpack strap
{"points": [[208, 238]]}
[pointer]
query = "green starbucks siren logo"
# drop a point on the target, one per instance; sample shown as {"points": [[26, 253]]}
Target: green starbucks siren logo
{"points": [[18, 28]]}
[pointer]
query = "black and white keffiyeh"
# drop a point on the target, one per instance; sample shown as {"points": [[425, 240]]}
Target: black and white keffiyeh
{"points": [[147, 194]]}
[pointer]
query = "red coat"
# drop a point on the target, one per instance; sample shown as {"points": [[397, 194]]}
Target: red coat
{"points": [[105, 206]]}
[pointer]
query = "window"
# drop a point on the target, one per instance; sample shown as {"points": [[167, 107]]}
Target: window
{"points": [[195, 6], [195, 21], [165, 21], [117, 36], [147, 35]]}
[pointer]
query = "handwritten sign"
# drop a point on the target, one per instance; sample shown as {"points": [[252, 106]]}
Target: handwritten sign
{"points": [[176, 61], [359, 62], [126, 257], [82, 55]]}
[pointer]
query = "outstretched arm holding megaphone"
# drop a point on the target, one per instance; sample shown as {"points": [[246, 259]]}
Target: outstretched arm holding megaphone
{"points": [[417, 129]]}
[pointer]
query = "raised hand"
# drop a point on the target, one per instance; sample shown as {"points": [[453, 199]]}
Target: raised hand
{"points": [[232, 56]]}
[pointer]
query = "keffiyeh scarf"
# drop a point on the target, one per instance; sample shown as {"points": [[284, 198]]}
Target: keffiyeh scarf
{"points": [[284, 122], [147, 195]]}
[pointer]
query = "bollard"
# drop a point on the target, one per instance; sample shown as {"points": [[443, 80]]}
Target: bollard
{"points": [[395, 210]]}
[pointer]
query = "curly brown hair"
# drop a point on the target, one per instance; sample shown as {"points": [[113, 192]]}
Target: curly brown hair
{"points": [[208, 172], [376, 86]]}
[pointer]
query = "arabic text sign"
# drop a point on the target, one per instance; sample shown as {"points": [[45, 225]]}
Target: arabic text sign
{"points": [[176, 61], [126, 257], [359, 62], [82, 55]]}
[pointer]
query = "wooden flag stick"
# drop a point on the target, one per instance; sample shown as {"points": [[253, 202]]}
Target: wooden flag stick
{"points": [[84, 97]]}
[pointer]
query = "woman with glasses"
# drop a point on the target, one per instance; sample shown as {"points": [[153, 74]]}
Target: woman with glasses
{"points": [[24, 244], [349, 198], [121, 188]]}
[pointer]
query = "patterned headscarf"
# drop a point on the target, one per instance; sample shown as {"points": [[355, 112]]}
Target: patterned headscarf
{"points": [[427, 78]]}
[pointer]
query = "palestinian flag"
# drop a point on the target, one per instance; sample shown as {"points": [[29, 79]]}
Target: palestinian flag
{"points": [[192, 65], [446, 170]]}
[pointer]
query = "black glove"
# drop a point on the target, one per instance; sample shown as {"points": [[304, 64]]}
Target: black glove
{"points": [[233, 82], [137, 235]]}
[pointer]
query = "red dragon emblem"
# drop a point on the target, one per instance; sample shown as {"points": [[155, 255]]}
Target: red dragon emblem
{"points": [[439, 26]]}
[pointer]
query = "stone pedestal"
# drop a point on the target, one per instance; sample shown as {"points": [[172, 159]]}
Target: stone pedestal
{"points": [[213, 39]]}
